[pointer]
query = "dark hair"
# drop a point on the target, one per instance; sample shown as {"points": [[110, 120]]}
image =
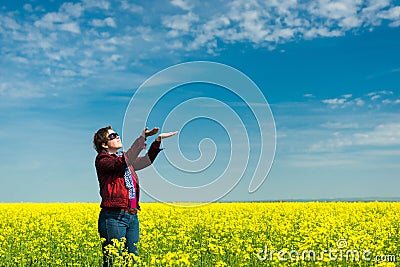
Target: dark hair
{"points": [[100, 138]]}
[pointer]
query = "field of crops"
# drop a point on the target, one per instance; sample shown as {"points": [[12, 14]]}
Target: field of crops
{"points": [[220, 234]]}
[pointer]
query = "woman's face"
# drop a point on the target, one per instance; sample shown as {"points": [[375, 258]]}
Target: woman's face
{"points": [[114, 142]]}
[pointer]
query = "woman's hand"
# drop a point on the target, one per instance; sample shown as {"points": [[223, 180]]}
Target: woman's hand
{"points": [[165, 135], [147, 133]]}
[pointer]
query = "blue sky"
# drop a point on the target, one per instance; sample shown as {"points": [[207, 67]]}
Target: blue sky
{"points": [[330, 71]]}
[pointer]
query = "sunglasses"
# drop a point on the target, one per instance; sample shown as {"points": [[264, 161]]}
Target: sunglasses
{"points": [[112, 136]]}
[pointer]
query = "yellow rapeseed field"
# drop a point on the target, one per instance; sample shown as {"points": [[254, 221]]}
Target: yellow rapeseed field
{"points": [[219, 234]]}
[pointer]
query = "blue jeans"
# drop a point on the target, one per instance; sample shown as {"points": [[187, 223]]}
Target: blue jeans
{"points": [[115, 224]]}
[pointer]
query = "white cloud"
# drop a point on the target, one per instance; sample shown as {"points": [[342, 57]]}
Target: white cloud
{"points": [[375, 97], [268, 23], [20, 89], [180, 23], [359, 102], [391, 14], [126, 5], [383, 92], [97, 23], [72, 10], [351, 22], [9, 23], [312, 161], [394, 24], [88, 63], [390, 101], [96, 29], [382, 135], [68, 73], [115, 58], [321, 31], [372, 9], [101, 4], [110, 22], [371, 98], [72, 27], [210, 30], [185, 5], [28, 7], [335, 9], [309, 95], [334, 101], [340, 125], [385, 134], [50, 19], [18, 59], [339, 102], [63, 20], [262, 23]]}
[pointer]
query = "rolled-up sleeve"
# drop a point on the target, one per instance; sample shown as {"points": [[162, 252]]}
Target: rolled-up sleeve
{"points": [[154, 150]]}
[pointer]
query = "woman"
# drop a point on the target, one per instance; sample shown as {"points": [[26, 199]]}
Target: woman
{"points": [[119, 185]]}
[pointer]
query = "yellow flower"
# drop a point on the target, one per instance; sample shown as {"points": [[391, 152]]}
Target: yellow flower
{"points": [[219, 234]]}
